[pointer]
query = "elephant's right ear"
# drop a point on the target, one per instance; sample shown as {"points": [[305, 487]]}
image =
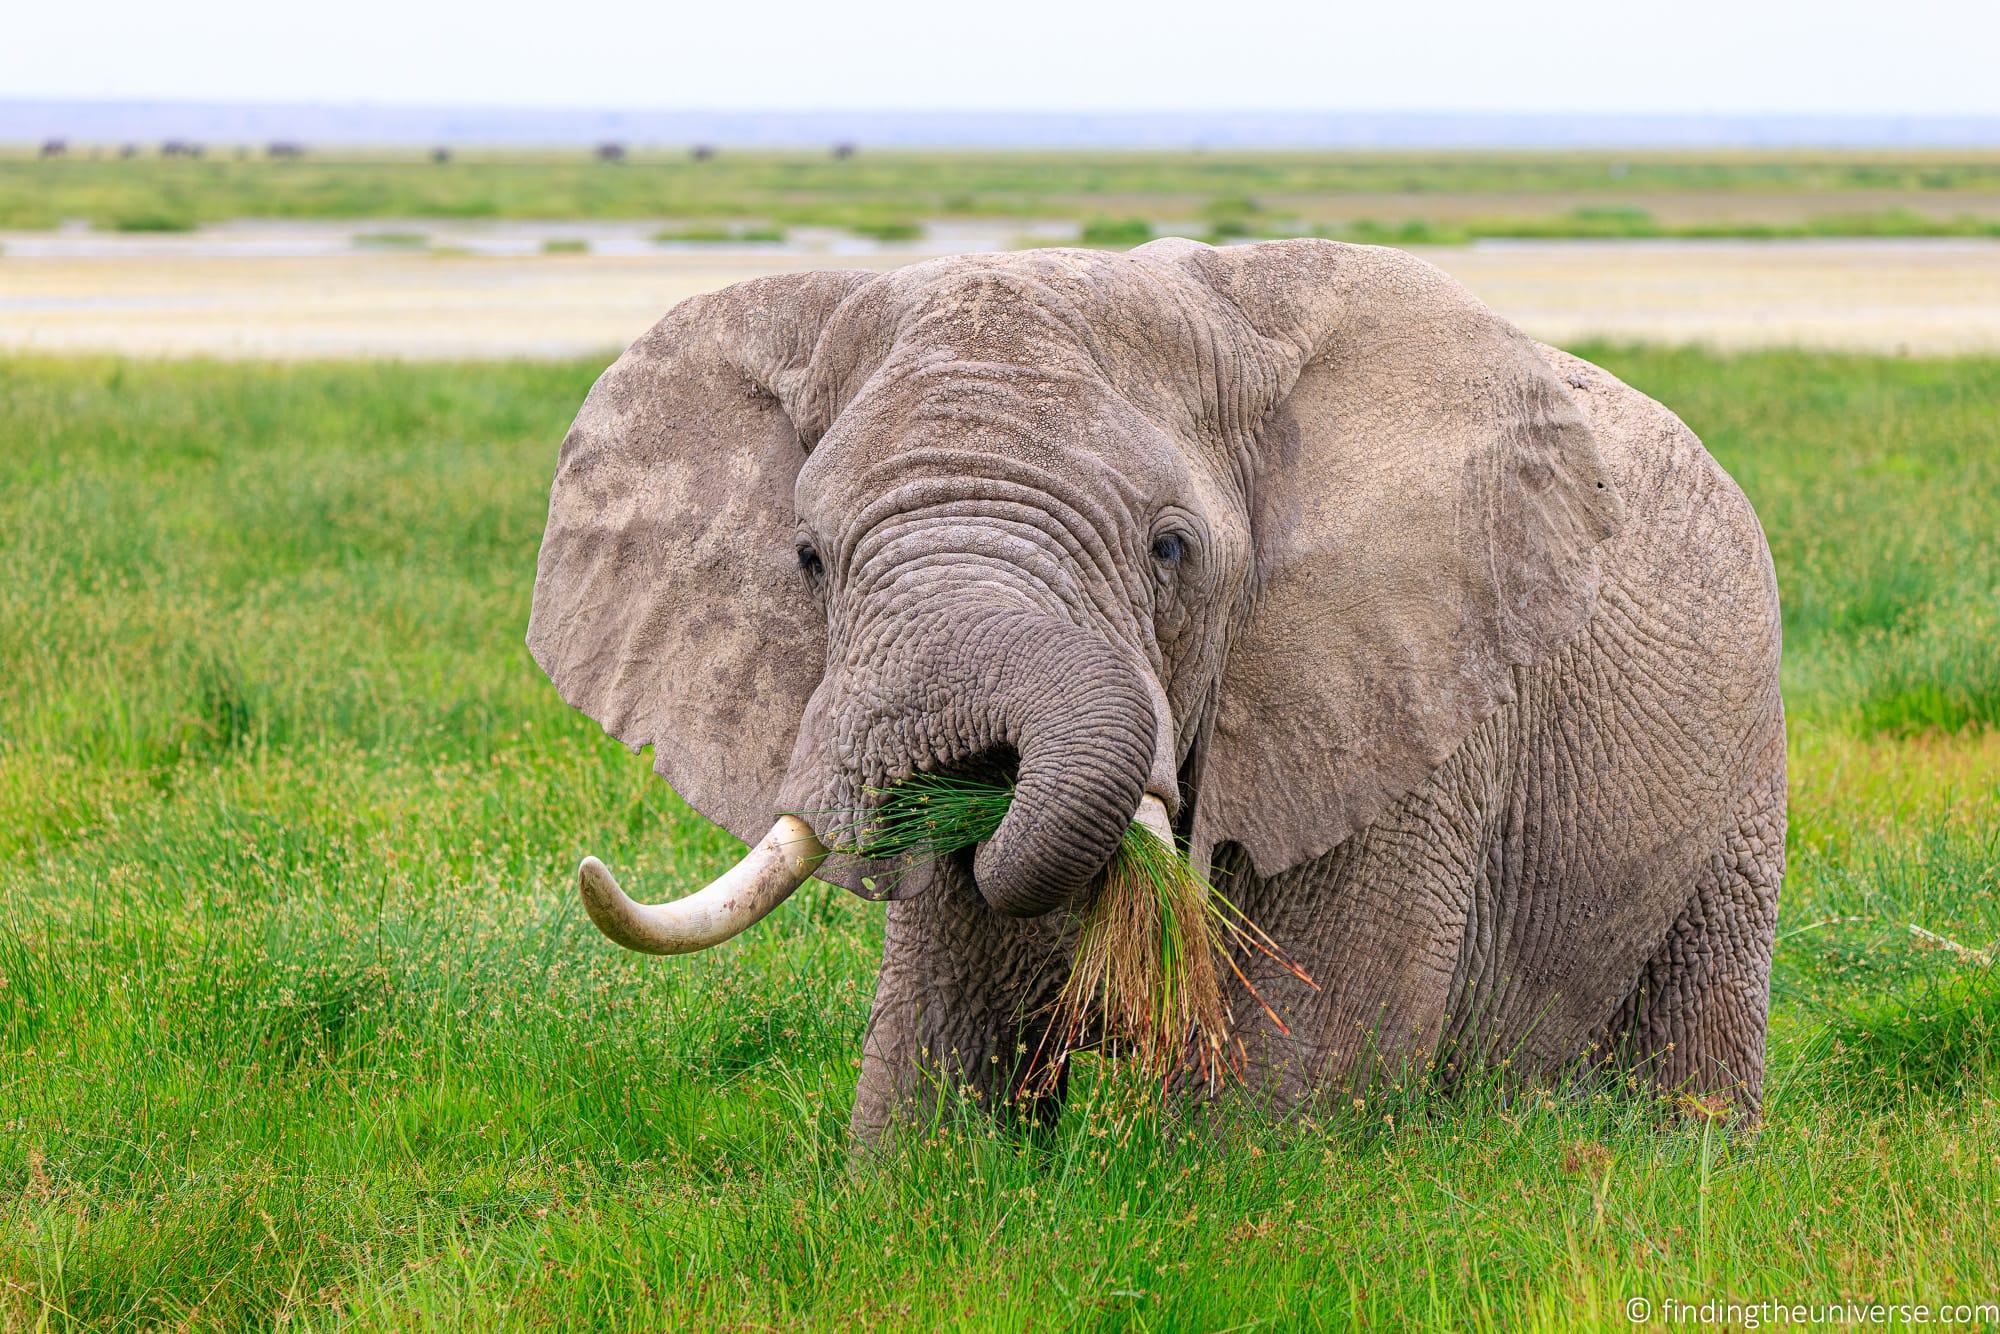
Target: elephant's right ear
{"points": [[668, 600]]}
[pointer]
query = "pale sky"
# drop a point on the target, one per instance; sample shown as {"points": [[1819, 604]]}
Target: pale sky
{"points": [[1824, 56]]}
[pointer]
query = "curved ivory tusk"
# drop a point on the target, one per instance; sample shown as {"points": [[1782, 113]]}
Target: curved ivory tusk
{"points": [[765, 878], [1153, 815]]}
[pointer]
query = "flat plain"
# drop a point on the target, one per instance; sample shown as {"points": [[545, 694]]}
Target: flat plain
{"points": [[1406, 197], [300, 1023], [352, 253], [183, 298]]}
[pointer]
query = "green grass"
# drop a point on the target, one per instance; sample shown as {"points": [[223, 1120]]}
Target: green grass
{"points": [[924, 817], [889, 229], [719, 234], [153, 222], [1624, 223], [1115, 233], [1411, 197], [300, 1021], [392, 240]]}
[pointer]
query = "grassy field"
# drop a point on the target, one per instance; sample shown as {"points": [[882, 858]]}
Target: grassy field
{"points": [[300, 1023], [1408, 197]]}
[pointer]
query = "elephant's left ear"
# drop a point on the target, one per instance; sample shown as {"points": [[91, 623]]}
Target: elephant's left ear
{"points": [[1427, 508]]}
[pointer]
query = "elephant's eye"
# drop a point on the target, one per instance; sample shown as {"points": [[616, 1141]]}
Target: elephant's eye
{"points": [[809, 560], [1168, 548]]}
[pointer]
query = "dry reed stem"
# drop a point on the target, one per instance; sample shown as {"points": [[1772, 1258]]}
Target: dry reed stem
{"points": [[1144, 980]]}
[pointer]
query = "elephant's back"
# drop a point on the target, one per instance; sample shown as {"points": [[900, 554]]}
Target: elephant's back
{"points": [[1686, 639], [1691, 550]]}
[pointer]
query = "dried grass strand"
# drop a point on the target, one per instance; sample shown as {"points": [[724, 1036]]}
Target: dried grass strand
{"points": [[1144, 979]]}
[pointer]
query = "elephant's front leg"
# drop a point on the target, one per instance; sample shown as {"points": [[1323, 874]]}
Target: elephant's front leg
{"points": [[1381, 924], [959, 1010]]}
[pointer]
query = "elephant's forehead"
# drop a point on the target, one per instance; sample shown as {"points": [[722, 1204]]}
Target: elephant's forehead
{"points": [[1055, 417], [1038, 346], [1116, 309]]}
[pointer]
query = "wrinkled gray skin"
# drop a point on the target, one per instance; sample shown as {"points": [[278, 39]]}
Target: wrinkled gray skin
{"points": [[1465, 678]]}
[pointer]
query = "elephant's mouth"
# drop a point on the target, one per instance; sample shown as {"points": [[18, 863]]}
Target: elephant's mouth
{"points": [[1040, 704], [876, 837], [768, 874]]}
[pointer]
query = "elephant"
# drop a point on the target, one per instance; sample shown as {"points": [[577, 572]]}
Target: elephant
{"points": [[1450, 656]]}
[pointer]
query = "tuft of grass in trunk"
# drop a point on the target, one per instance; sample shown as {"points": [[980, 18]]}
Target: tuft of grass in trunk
{"points": [[1145, 979], [928, 816]]}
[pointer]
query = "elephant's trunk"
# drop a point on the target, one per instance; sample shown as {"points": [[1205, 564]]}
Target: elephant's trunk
{"points": [[970, 684], [1080, 721]]}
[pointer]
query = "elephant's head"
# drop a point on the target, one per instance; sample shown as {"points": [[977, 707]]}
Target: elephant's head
{"points": [[1260, 532]]}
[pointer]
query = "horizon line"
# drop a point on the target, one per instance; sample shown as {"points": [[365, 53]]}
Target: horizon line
{"points": [[360, 123]]}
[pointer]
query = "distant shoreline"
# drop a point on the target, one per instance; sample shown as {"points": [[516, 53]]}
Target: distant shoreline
{"points": [[1098, 197], [176, 297], [25, 120]]}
